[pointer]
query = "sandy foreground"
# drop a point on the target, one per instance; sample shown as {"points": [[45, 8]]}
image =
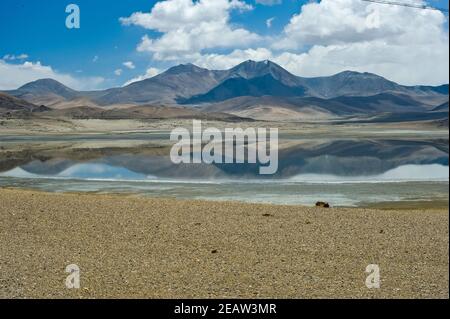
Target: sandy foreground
{"points": [[131, 247]]}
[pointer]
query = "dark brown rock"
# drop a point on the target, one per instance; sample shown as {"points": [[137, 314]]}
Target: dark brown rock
{"points": [[322, 205]]}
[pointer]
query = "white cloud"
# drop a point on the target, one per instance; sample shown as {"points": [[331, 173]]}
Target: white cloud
{"points": [[16, 75], [269, 22], [226, 61], [269, 2], [130, 65], [118, 72], [170, 15], [12, 57], [418, 66], [409, 46], [151, 72], [351, 21], [189, 27]]}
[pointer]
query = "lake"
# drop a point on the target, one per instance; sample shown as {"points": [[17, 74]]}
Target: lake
{"points": [[343, 172]]}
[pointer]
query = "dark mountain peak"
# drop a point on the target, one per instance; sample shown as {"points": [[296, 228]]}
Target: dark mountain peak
{"points": [[36, 90], [349, 83], [185, 68], [360, 75], [254, 63], [45, 84], [265, 85], [348, 73], [252, 68], [369, 78], [181, 81]]}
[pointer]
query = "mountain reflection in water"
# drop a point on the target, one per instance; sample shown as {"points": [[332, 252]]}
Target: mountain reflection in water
{"points": [[344, 172]]}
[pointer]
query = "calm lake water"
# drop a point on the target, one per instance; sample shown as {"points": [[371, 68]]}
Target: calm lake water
{"points": [[349, 172]]}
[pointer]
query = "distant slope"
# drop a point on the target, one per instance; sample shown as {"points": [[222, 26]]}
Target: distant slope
{"points": [[441, 108], [382, 102], [265, 85], [441, 89], [45, 92], [406, 117], [349, 83], [306, 108], [75, 102], [10, 105], [182, 81], [8, 102], [137, 112], [49, 86]]}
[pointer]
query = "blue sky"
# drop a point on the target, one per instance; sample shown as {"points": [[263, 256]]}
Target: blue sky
{"points": [[94, 55]]}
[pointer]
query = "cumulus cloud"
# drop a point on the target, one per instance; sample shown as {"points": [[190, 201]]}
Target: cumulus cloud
{"points": [[16, 75], [130, 65], [189, 27], [151, 72], [118, 72], [352, 21], [409, 46], [418, 66], [226, 61]]}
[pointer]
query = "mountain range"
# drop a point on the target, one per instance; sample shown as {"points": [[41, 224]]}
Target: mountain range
{"points": [[258, 90]]}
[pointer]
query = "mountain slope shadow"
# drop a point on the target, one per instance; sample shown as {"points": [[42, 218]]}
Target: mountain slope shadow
{"points": [[256, 87]]}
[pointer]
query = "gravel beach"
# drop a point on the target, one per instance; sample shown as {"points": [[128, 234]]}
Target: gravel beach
{"points": [[134, 247]]}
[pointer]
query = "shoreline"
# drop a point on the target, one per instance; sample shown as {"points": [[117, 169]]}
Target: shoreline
{"points": [[141, 247], [60, 127], [386, 205]]}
